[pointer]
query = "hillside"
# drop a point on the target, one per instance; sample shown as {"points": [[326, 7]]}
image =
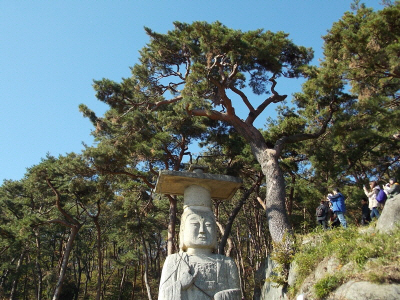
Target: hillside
{"points": [[349, 264]]}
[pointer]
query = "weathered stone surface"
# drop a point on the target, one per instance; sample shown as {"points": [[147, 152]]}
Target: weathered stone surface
{"points": [[196, 272], [221, 187], [292, 274], [270, 290], [389, 219], [366, 291], [329, 265], [259, 280]]}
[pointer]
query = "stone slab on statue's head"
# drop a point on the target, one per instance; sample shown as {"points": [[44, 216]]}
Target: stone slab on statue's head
{"points": [[221, 187]]}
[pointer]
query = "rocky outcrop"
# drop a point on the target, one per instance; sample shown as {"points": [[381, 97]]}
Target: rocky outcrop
{"points": [[270, 290], [364, 290], [389, 219], [328, 266], [350, 290]]}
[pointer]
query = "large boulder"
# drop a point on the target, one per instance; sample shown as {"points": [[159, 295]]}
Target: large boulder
{"points": [[389, 219], [271, 290], [328, 266], [363, 290]]}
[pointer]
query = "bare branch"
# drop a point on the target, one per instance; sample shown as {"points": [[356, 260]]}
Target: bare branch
{"points": [[234, 72], [58, 203], [164, 102], [213, 115], [305, 136], [62, 222], [262, 203], [131, 175], [275, 98], [227, 103], [243, 96], [188, 64]]}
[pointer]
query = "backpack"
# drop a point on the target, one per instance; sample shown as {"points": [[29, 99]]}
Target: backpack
{"points": [[321, 210], [381, 197]]}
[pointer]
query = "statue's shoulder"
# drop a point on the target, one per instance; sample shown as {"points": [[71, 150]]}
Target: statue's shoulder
{"points": [[173, 258]]}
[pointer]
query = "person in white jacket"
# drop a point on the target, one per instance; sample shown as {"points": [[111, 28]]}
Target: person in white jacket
{"points": [[372, 202]]}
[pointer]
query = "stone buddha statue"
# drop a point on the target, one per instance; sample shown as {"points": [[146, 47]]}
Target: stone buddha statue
{"points": [[196, 271]]}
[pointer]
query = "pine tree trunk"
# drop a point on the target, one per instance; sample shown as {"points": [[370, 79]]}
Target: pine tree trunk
{"points": [[122, 283], [291, 195], [5, 274], [63, 269], [146, 269], [277, 217], [278, 221], [99, 259], [38, 268], [171, 225], [15, 282], [135, 270]]}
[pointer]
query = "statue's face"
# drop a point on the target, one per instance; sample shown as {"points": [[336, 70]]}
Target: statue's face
{"points": [[199, 231]]}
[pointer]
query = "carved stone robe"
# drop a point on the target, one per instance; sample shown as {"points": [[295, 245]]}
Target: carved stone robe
{"points": [[217, 278]]}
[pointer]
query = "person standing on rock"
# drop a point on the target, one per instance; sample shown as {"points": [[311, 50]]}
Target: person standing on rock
{"points": [[365, 211], [393, 189], [338, 206], [373, 203], [322, 213]]}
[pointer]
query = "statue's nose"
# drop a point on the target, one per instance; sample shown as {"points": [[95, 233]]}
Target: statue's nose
{"points": [[201, 229]]}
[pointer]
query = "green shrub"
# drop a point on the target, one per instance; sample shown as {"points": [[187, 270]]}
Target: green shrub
{"points": [[347, 245], [327, 284]]}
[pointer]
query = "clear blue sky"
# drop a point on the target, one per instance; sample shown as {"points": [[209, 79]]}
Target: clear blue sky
{"points": [[51, 51]]}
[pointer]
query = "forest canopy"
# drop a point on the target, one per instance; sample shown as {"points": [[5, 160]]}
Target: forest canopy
{"points": [[89, 226]]}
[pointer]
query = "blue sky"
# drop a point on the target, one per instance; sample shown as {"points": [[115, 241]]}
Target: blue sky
{"points": [[51, 51]]}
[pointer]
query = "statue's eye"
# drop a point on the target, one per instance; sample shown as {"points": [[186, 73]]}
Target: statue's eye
{"points": [[208, 224]]}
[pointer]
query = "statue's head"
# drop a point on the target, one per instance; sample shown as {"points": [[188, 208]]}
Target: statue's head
{"points": [[198, 229]]}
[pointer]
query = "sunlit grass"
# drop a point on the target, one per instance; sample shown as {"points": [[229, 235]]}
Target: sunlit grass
{"points": [[376, 257]]}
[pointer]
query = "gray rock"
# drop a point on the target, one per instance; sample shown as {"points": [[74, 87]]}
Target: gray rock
{"points": [[389, 219], [270, 290], [329, 265], [366, 291], [293, 273]]}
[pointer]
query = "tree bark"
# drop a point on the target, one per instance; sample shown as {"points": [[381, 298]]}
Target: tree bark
{"points": [[38, 268], [122, 283], [291, 195], [15, 282], [278, 221], [171, 225], [146, 269], [227, 241], [99, 258], [63, 269], [267, 156]]}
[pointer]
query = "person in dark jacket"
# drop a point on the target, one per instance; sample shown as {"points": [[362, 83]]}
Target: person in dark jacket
{"points": [[338, 206], [322, 213], [334, 219], [365, 211]]}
